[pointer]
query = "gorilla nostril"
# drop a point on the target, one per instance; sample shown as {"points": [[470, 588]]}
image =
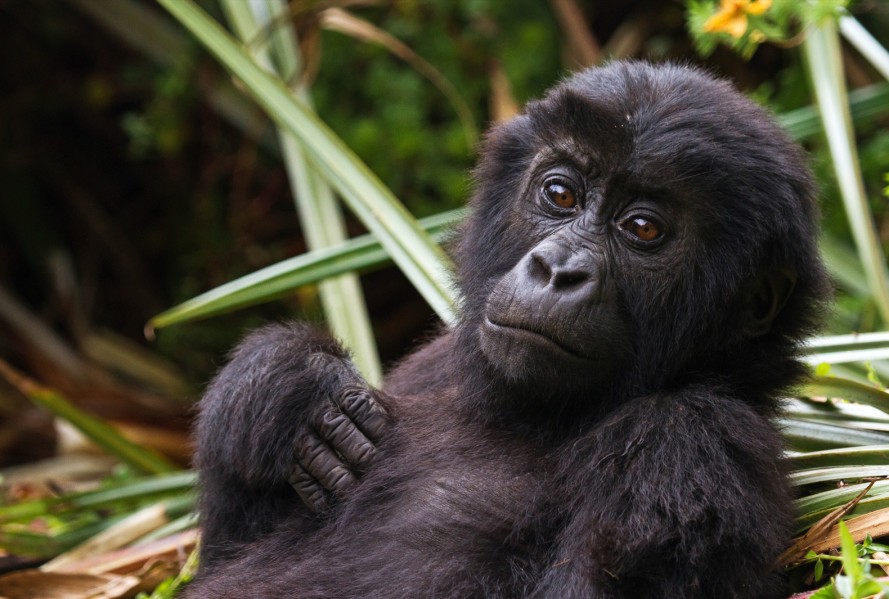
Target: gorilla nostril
{"points": [[566, 279]]}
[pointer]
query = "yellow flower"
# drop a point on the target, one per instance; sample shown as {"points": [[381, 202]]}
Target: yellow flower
{"points": [[732, 16]]}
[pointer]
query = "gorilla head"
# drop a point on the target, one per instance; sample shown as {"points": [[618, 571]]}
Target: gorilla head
{"points": [[663, 225]]}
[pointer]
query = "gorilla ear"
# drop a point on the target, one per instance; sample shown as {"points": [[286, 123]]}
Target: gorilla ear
{"points": [[771, 292]]}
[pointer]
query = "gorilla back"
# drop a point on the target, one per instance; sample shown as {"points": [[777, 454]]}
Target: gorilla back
{"points": [[638, 270]]}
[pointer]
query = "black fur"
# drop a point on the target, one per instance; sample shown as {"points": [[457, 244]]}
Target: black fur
{"points": [[641, 463]]}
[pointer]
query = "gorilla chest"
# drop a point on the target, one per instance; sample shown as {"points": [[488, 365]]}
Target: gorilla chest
{"points": [[476, 504]]}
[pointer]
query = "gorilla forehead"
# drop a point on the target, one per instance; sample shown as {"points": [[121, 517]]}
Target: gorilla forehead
{"points": [[637, 102], [667, 114]]}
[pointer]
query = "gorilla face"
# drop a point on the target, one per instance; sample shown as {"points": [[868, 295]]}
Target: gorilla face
{"points": [[558, 308], [561, 308], [632, 223]]}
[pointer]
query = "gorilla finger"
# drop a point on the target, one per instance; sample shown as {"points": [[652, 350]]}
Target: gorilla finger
{"points": [[362, 407], [342, 434], [324, 464], [308, 489]]}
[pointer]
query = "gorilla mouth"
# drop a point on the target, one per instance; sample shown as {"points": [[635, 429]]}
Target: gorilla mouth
{"points": [[529, 335]]}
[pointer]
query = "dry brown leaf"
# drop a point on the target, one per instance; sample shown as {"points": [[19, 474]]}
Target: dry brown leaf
{"points": [[876, 524], [119, 574], [132, 560], [28, 584], [819, 531]]}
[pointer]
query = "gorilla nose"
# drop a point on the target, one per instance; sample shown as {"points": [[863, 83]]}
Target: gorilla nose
{"points": [[559, 268]]}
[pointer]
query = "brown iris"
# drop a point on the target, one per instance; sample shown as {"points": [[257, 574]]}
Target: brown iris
{"points": [[560, 195], [642, 228]]}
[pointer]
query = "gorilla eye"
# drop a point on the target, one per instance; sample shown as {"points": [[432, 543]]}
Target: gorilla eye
{"points": [[642, 229], [559, 194]]}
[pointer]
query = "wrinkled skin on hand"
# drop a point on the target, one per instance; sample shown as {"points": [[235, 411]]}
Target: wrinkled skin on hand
{"points": [[339, 444]]}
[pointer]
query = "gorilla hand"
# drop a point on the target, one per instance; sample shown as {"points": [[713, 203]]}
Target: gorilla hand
{"points": [[339, 441]]}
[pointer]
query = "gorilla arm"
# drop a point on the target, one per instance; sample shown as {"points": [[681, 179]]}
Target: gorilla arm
{"points": [[283, 429], [650, 480]]}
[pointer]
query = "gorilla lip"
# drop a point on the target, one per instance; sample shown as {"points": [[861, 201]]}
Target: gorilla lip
{"points": [[532, 336]]}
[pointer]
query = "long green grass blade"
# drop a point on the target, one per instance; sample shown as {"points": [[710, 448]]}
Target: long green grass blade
{"points": [[812, 508], [838, 473], [278, 280], [823, 59], [128, 492], [46, 545], [865, 43], [321, 217], [421, 260], [189, 520], [843, 456], [837, 349], [843, 413], [802, 435], [832, 387]]}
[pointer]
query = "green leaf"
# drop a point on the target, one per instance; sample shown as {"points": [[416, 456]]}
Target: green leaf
{"points": [[803, 435], [833, 387], [868, 588], [849, 553], [279, 280], [877, 547], [836, 349], [819, 570], [843, 456], [815, 506], [824, 61], [847, 473], [421, 260]]}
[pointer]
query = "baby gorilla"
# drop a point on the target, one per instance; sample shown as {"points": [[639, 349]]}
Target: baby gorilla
{"points": [[637, 272]]}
